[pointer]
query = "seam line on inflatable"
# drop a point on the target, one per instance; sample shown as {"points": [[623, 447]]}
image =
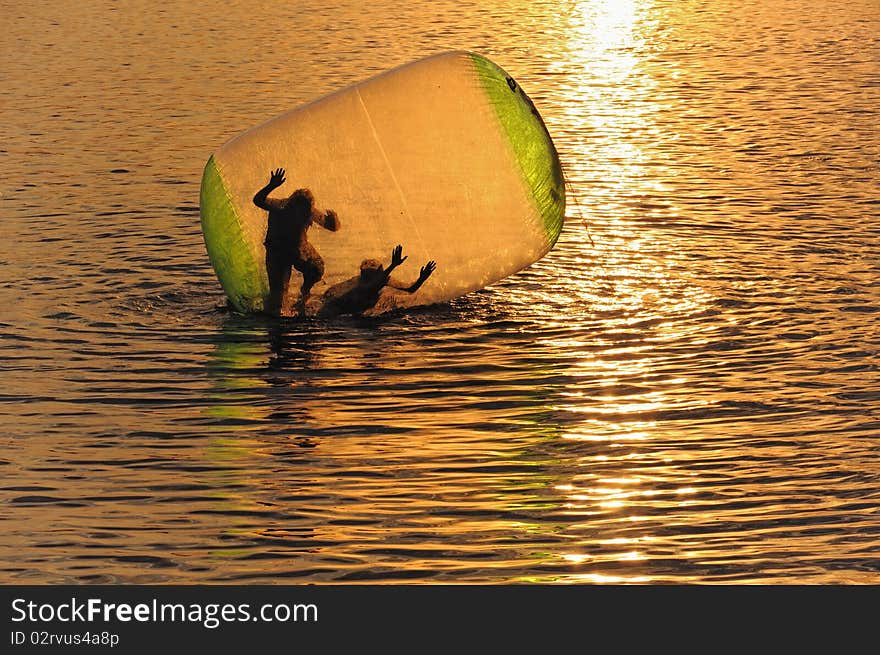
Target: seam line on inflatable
{"points": [[400, 193]]}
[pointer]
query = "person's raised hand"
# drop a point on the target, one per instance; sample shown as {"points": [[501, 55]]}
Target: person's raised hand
{"points": [[277, 177], [396, 256], [427, 269]]}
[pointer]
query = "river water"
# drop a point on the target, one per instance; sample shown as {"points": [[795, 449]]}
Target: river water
{"points": [[685, 390]]}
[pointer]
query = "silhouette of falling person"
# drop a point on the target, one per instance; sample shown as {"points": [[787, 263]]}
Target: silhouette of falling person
{"points": [[358, 294], [287, 245]]}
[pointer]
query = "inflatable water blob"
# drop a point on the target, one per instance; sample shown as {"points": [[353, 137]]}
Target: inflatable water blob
{"points": [[446, 156]]}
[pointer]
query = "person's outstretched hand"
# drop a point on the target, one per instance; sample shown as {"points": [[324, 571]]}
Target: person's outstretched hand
{"points": [[277, 178], [331, 220], [396, 259], [427, 269]]}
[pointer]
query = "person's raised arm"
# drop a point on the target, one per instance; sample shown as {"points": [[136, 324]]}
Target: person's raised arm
{"points": [[424, 274], [261, 199], [396, 260]]}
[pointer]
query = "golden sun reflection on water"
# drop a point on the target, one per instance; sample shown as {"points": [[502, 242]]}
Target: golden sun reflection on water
{"points": [[609, 117]]}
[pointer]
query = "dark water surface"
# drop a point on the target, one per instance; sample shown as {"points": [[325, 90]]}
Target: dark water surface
{"points": [[695, 398]]}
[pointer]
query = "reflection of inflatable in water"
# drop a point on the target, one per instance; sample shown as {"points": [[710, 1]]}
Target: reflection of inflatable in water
{"points": [[234, 367], [249, 360], [447, 156], [297, 466]]}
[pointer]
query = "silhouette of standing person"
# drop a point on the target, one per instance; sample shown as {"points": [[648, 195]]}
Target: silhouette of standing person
{"points": [[286, 243], [360, 293]]}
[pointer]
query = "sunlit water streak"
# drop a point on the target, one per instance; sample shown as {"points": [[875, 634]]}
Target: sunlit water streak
{"points": [[693, 398]]}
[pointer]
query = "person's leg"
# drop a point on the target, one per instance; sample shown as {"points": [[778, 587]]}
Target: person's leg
{"points": [[312, 271], [275, 272], [284, 306]]}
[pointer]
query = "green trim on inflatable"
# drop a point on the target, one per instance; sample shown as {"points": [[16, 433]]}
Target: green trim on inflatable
{"points": [[531, 142], [242, 277]]}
